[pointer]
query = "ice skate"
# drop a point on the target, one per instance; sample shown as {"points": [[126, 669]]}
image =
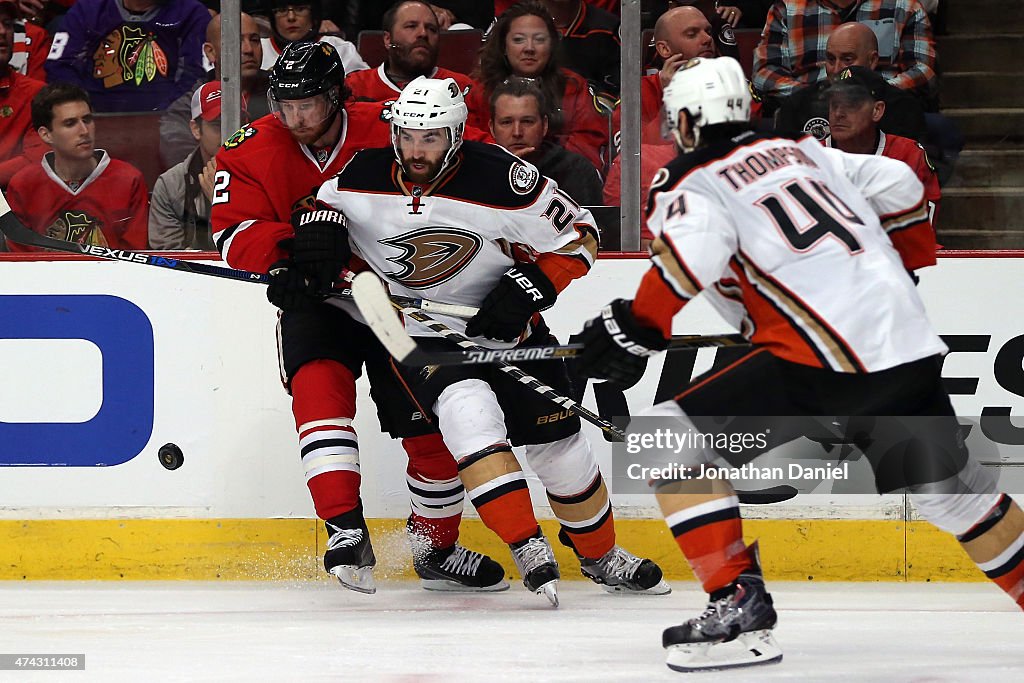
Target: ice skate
{"points": [[349, 557], [536, 563], [620, 571], [734, 630], [459, 570]]}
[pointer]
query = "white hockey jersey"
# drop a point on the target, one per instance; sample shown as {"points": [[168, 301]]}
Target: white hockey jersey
{"points": [[451, 240], [800, 227]]}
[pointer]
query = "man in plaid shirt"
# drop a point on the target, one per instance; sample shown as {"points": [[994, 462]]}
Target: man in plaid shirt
{"points": [[791, 53]]}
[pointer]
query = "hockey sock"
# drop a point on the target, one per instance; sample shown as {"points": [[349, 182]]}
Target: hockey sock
{"points": [[586, 519], [497, 488], [324, 403], [435, 491], [996, 544], [709, 531]]}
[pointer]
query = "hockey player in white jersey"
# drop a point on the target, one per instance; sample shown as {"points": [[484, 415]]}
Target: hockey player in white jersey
{"points": [[470, 223], [838, 330]]}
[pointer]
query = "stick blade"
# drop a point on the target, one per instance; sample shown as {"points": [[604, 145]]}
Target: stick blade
{"points": [[375, 305]]}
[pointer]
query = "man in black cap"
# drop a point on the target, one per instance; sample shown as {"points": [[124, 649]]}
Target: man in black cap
{"points": [[851, 44], [856, 108]]}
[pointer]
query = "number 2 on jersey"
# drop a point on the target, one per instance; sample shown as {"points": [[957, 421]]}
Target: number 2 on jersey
{"points": [[220, 187], [830, 216]]}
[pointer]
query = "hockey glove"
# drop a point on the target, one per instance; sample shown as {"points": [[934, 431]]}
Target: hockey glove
{"points": [[320, 248], [288, 288], [617, 346], [522, 290]]}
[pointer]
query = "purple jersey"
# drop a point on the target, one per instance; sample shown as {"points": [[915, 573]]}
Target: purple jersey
{"points": [[130, 62]]}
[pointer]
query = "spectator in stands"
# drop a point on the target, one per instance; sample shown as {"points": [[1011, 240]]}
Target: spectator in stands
{"points": [[589, 43], [31, 46], [179, 210], [680, 34], [856, 106], [411, 37], [519, 124], [19, 145], [791, 53], [523, 42], [292, 22], [850, 44], [45, 13], [77, 193], [130, 55], [362, 15], [176, 141]]}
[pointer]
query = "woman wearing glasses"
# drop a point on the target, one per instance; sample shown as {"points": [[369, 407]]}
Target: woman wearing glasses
{"points": [[291, 22], [523, 43]]}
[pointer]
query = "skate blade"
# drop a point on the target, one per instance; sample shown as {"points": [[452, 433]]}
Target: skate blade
{"points": [[660, 588], [749, 649], [550, 591], [446, 586], [358, 579]]}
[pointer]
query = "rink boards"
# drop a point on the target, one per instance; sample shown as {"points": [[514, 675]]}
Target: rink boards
{"points": [[106, 362]]}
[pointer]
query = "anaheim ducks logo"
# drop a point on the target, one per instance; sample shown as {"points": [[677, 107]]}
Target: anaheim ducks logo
{"points": [[431, 256]]}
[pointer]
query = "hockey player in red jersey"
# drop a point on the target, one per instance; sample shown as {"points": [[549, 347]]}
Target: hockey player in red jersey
{"points": [[267, 174], [838, 330], [444, 219]]}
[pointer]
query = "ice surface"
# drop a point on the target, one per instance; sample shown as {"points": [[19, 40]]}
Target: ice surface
{"points": [[317, 631]]}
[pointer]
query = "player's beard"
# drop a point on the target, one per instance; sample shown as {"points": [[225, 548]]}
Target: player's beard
{"points": [[431, 170], [311, 134]]}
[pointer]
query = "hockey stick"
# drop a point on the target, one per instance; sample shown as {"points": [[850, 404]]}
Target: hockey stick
{"points": [[379, 311], [373, 302], [16, 231]]}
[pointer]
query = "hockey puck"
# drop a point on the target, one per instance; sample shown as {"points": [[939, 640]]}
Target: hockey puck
{"points": [[171, 456]]}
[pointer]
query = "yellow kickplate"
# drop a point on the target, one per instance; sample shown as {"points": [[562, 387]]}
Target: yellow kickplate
{"points": [[291, 549]]}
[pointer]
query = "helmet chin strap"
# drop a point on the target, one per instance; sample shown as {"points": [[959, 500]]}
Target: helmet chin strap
{"points": [[694, 130]]}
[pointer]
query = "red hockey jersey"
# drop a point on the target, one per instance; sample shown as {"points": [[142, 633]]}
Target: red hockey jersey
{"points": [[110, 208], [916, 244], [263, 175], [373, 85]]}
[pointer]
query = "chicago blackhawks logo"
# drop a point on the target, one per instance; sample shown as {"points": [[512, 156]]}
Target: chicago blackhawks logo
{"points": [[80, 228], [239, 136], [432, 256], [128, 55]]}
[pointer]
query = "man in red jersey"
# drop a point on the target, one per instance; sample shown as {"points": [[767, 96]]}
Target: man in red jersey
{"points": [[412, 39], [18, 146], [856, 106], [77, 193], [267, 177]]}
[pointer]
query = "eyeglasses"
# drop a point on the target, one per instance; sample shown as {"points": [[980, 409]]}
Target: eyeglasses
{"points": [[295, 9]]}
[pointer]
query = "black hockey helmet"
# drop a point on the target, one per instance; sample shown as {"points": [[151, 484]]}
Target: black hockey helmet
{"points": [[306, 69]]}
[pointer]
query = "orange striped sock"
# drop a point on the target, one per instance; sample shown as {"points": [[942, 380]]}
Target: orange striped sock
{"points": [[711, 537], [586, 519]]}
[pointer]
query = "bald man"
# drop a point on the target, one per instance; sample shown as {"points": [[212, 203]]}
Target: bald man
{"points": [[850, 44], [680, 34], [176, 141]]}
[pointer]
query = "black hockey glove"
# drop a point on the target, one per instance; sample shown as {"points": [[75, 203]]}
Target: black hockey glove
{"points": [[617, 345], [522, 290], [320, 248], [288, 288]]}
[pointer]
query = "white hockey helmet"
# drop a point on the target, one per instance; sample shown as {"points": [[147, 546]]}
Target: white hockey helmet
{"points": [[711, 91], [428, 103]]}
